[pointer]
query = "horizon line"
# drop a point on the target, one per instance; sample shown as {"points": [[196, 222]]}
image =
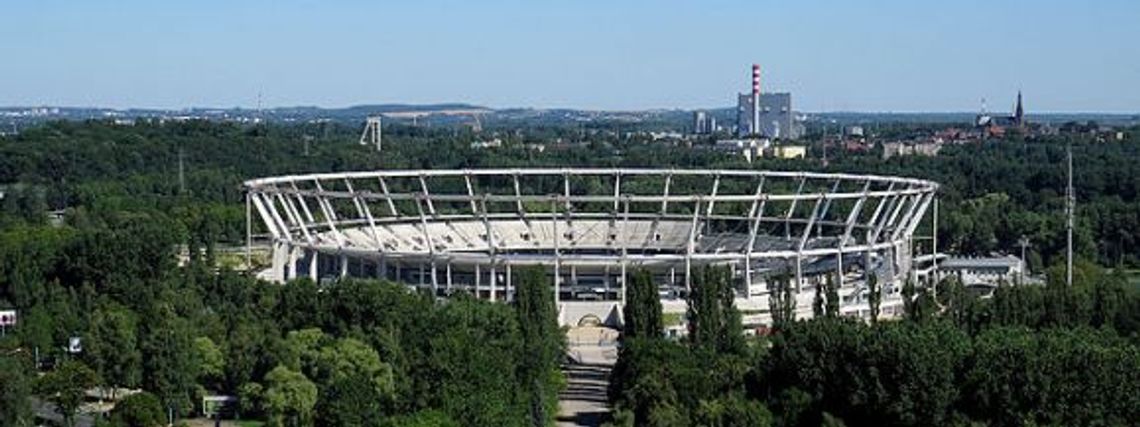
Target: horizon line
{"points": [[602, 110]]}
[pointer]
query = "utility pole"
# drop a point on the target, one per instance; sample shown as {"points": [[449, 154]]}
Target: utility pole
{"points": [[1070, 210], [181, 172], [1024, 242]]}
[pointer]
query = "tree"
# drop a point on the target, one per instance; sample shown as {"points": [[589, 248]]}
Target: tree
{"points": [[139, 410], [732, 410], [169, 368], [909, 299], [66, 386], [15, 389], [111, 347], [642, 312], [832, 307], [351, 401], [302, 350], [251, 398], [427, 418], [541, 343], [210, 363], [289, 397], [781, 301], [874, 296], [714, 322], [351, 358], [817, 308]]}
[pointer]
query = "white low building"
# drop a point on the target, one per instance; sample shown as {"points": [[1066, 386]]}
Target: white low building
{"points": [[983, 272], [748, 148]]}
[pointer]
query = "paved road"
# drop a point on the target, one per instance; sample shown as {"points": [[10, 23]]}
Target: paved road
{"points": [[593, 354], [46, 411]]}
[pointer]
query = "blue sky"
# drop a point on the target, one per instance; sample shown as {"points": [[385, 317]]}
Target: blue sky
{"points": [[1066, 56]]}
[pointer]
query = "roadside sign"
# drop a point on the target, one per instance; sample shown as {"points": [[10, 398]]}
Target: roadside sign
{"points": [[74, 345], [7, 317]]}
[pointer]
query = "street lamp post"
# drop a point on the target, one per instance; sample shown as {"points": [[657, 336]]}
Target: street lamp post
{"points": [[1024, 242]]}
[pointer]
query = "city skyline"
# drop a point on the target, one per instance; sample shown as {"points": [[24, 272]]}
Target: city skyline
{"points": [[586, 55]]}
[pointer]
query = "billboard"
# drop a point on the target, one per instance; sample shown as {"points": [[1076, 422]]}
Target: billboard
{"points": [[7, 318]]}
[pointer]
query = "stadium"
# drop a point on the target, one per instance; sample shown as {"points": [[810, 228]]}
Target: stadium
{"points": [[448, 231]]}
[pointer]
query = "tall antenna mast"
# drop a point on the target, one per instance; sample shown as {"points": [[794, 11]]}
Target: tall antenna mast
{"points": [[1070, 210]]}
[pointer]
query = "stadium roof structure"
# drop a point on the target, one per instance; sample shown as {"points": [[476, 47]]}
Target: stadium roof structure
{"points": [[447, 228]]}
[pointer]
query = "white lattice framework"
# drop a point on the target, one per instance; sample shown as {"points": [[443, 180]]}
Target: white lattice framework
{"points": [[474, 225]]}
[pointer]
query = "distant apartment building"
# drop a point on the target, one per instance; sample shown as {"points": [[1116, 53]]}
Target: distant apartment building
{"points": [[909, 148], [790, 152], [747, 148], [703, 123], [494, 143]]}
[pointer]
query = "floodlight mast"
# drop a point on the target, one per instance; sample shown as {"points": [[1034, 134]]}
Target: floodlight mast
{"points": [[372, 133]]}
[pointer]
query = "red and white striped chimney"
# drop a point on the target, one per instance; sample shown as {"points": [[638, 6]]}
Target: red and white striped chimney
{"points": [[755, 79], [755, 128]]}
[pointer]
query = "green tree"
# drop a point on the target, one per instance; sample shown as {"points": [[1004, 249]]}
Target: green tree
{"points": [[111, 347], [832, 308], [642, 311], [874, 296], [733, 410], [169, 368], [139, 410], [289, 397], [351, 401], [910, 299], [542, 345], [210, 363], [426, 418], [351, 358], [251, 398], [714, 322], [15, 388], [66, 386], [817, 304], [781, 301], [472, 362]]}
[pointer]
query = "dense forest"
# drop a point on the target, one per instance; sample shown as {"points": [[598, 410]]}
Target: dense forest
{"points": [[357, 353], [1050, 355], [129, 198], [992, 193]]}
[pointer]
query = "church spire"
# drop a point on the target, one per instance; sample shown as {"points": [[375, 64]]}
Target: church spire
{"points": [[1019, 112]]}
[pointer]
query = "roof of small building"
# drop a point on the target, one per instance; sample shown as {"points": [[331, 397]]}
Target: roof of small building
{"points": [[1008, 261]]}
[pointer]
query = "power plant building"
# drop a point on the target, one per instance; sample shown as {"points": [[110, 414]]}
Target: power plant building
{"points": [[766, 114]]}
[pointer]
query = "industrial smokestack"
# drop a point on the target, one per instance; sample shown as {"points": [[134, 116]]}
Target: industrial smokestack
{"points": [[755, 127], [755, 79]]}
